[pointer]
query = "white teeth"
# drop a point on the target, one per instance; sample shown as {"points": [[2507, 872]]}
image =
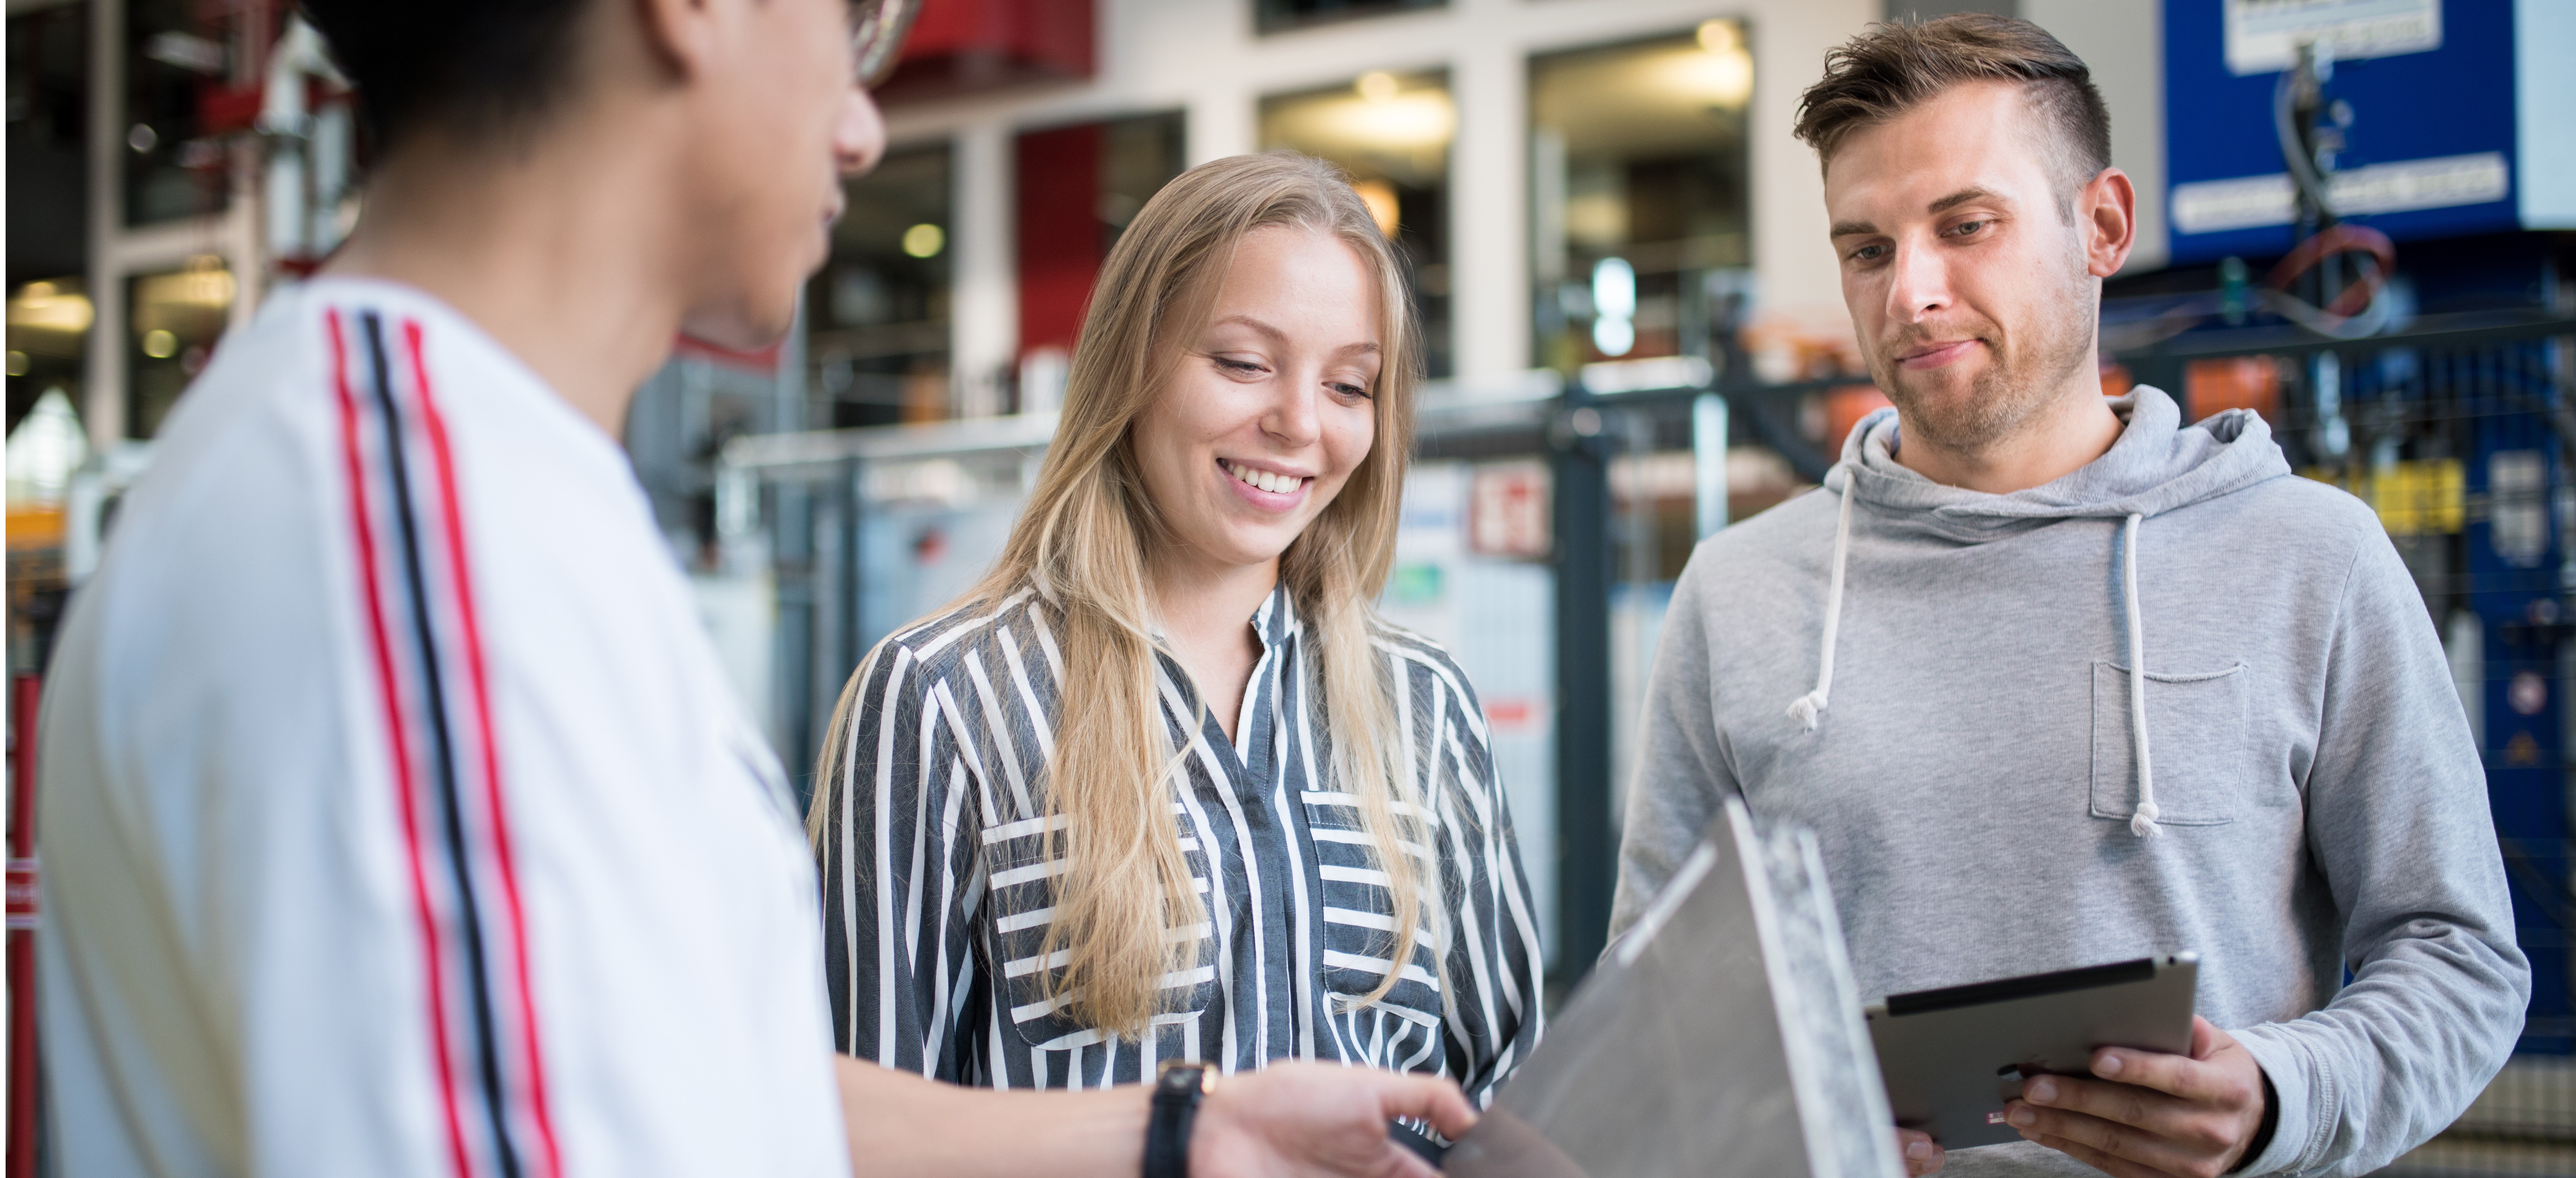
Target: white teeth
{"points": [[1276, 484]]}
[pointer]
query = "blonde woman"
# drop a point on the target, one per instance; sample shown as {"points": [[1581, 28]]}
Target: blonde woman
{"points": [[1162, 787]]}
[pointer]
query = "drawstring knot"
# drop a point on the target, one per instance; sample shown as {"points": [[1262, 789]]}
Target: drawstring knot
{"points": [[1804, 708]]}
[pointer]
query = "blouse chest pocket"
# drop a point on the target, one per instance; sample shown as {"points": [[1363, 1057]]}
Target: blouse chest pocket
{"points": [[1020, 911], [1359, 929], [2199, 749]]}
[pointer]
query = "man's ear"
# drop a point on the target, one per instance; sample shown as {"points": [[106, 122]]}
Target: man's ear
{"points": [[2107, 214], [681, 35]]}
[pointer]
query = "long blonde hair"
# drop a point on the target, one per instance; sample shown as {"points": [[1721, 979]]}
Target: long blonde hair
{"points": [[1083, 542]]}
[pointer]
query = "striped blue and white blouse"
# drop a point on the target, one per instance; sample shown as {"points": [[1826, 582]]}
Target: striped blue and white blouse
{"points": [[937, 890]]}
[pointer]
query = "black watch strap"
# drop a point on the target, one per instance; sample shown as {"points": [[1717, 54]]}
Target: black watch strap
{"points": [[1176, 1106], [2263, 1132]]}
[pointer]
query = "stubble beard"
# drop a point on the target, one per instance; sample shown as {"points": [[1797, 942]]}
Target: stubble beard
{"points": [[2024, 378]]}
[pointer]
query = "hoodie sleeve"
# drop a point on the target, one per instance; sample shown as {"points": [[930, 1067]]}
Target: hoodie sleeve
{"points": [[1683, 774], [2398, 825]]}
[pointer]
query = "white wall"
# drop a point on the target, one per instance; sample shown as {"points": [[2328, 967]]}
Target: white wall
{"points": [[1202, 56], [2124, 43]]}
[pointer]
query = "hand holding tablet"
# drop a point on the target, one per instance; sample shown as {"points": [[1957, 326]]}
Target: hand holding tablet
{"points": [[2106, 1064]]}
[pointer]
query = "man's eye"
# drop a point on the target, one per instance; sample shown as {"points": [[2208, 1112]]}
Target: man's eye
{"points": [[1869, 253], [1968, 228]]}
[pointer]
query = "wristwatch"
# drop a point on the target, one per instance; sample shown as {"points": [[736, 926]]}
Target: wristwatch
{"points": [[1178, 1088]]}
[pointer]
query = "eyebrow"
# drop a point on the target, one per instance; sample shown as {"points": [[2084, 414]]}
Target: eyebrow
{"points": [[1254, 324], [1960, 197], [1943, 205], [1368, 347]]}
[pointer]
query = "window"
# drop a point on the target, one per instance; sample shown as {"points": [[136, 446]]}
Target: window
{"points": [[877, 313], [1278, 16], [173, 323], [1392, 133], [48, 201], [178, 64], [1078, 188], [1639, 197]]}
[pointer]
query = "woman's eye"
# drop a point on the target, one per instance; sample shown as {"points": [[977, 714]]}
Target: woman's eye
{"points": [[1348, 390], [1238, 367]]}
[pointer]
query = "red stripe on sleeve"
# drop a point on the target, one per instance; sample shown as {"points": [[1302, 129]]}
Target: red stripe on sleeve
{"points": [[454, 534], [405, 788]]}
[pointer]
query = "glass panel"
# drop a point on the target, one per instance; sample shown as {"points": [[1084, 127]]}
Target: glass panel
{"points": [[48, 190], [1639, 197], [1273, 16], [178, 57], [1392, 133], [1471, 573], [1080, 187], [175, 319], [877, 313], [48, 334], [1638, 219]]}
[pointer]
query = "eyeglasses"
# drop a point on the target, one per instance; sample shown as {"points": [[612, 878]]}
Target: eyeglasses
{"points": [[876, 36]]}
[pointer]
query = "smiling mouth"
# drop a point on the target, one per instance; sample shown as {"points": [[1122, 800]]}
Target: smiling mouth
{"points": [[1936, 355], [1262, 480]]}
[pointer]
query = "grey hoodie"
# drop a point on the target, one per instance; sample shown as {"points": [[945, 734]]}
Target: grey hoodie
{"points": [[1944, 692]]}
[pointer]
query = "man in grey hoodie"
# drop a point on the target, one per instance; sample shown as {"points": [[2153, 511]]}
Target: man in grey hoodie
{"points": [[2059, 680]]}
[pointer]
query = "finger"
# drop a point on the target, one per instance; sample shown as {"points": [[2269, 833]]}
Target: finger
{"points": [[2192, 1078], [1426, 1098], [2117, 1167], [2206, 1038], [1922, 1154], [2127, 1104], [2108, 1137]]}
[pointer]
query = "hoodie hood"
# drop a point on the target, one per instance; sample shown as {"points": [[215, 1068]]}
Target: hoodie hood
{"points": [[2154, 467], [2157, 465]]}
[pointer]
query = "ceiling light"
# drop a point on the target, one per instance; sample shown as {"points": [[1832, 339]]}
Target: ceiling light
{"points": [[40, 306]]}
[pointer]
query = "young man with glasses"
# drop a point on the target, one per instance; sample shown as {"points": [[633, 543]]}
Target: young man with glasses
{"points": [[399, 820]]}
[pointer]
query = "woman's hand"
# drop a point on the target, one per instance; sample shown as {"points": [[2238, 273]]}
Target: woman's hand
{"points": [[1922, 1155], [1311, 1120]]}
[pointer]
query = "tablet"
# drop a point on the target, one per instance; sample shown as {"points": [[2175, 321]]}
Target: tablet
{"points": [[1953, 1057]]}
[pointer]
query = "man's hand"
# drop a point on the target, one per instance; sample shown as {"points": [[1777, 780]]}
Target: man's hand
{"points": [[2151, 1114], [1922, 1154], [1309, 1120]]}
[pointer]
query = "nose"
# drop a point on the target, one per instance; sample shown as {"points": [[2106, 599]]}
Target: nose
{"points": [[1918, 282], [859, 136], [1292, 420]]}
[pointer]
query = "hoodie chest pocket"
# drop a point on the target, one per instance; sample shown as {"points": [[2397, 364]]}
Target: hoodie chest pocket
{"points": [[2200, 755]]}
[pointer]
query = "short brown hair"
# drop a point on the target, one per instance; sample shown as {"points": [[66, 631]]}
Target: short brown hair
{"points": [[1893, 68]]}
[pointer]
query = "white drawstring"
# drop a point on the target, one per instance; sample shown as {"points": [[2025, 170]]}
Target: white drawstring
{"points": [[1805, 707], [2143, 822]]}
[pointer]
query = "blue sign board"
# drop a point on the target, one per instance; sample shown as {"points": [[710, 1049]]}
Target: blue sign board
{"points": [[2429, 150]]}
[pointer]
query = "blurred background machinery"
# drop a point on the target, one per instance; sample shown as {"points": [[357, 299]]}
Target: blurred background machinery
{"points": [[2355, 219]]}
